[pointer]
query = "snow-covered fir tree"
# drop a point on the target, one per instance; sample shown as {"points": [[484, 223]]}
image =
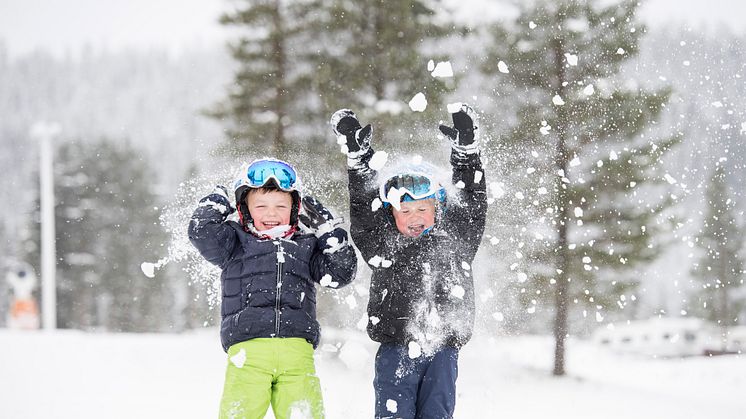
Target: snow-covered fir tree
{"points": [[581, 137], [720, 270], [106, 220]]}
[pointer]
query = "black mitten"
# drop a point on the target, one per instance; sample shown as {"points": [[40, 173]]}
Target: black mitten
{"points": [[354, 138], [463, 135], [218, 199], [317, 217]]}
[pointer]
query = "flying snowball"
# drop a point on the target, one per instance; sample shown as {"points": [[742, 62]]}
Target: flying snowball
{"points": [[378, 160], [443, 69], [418, 102], [502, 67]]}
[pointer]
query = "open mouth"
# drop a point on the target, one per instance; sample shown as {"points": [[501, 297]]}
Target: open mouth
{"points": [[416, 229], [270, 224]]}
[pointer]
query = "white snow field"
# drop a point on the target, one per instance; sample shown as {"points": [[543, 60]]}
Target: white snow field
{"points": [[71, 374]]}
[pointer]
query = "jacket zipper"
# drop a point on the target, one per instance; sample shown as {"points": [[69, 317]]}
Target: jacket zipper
{"points": [[279, 290]]}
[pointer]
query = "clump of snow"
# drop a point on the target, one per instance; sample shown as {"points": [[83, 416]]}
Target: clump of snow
{"points": [[239, 359], [376, 204], [443, 69], [502, 67], [391, 405], [578, 212], [454, 107], [545, 128], [572, 59], [414, 350], [378, 160], [458, 292], [375, 261], [557, 100], [374, 320], [418, 103], [478, 176], [575, 162], [670, 179], [326, 281], [148, 269], [589, 90], [532, 25], [522, 277], [620, 51], [465, 266]]}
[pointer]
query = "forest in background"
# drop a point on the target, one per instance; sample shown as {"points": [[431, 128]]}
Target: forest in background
{"points": [[144, 115]]}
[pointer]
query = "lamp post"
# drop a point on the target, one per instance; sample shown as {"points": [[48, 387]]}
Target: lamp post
{"points": [[45, 133]]}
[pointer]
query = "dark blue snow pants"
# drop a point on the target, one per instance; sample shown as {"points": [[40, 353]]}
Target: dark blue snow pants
{"points": [[420, 388]]}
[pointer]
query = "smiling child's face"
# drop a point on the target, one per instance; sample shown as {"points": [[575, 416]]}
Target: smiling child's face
{"points": [[414, 217], [269, 208]]}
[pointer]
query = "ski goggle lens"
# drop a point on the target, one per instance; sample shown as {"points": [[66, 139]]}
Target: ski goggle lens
{"points": [[416, 186], [260, 172]]}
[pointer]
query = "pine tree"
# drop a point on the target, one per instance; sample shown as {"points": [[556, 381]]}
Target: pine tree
{"points": [[380, 62], [580, 134], [106, 226], [299, 61], [721, 267]]}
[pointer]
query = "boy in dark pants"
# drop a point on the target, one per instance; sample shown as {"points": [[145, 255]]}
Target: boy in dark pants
{"points": [[420, 244]]}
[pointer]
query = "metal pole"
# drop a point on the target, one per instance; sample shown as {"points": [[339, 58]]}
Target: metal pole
{"points": [[45, 133]]}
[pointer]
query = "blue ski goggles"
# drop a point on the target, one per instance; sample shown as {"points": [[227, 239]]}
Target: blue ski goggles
{"points": [[411, 187], [260, 172]]}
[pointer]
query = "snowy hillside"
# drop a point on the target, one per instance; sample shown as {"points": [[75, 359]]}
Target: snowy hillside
{"points": [[70, 374]]}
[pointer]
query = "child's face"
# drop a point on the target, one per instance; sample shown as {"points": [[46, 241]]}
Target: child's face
{"points": [[414, 217], [269, 208]]}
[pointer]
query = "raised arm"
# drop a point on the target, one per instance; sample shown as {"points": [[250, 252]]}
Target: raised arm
{"points": [[209, 232], [367, 218], [467, 218]]}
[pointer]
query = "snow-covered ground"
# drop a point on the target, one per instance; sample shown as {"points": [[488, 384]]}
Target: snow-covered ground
{"points": [[69, 374]]}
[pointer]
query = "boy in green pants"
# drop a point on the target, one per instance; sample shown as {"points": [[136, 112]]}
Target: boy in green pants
{"points": [[269, 270]]}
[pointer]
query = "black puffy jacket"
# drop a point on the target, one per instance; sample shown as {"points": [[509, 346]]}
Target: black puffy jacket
{"points": [[268, 285], [421, 288]]}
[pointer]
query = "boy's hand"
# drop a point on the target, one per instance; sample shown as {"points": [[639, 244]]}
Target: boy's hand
{"points": [[322, 222], [218, 199], [354, 139], [463, 134], [317, 217]]}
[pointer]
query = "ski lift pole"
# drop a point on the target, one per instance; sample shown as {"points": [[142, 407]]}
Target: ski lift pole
{"points": [[44, 133]]}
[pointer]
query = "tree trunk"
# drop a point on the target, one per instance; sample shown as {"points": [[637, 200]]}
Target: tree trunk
{"points": [[561, 162]]}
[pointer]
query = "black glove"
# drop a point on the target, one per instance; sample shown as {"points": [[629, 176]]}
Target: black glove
{"points": [[356, 138], [317, 217], [323, 224], [218, 199], [463, 134]]}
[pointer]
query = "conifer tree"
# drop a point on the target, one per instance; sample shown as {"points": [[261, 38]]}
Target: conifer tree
{"points": [[106, 217], [581, 135], [720, 269], [299, 61]]}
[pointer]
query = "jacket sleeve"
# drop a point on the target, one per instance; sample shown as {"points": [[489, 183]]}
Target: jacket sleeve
{"points": [[209, 233], [334, 257], [368, 218], [467, 217]]}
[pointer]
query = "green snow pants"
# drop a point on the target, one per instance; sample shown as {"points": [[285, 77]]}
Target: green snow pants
{"points": [[276, 370]]}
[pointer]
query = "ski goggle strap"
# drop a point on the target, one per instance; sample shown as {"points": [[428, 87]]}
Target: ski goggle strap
{"points": [[262, 171], [409, 187]]}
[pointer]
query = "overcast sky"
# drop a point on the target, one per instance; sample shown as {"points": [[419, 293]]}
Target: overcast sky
{"points": [[68, 25]]}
